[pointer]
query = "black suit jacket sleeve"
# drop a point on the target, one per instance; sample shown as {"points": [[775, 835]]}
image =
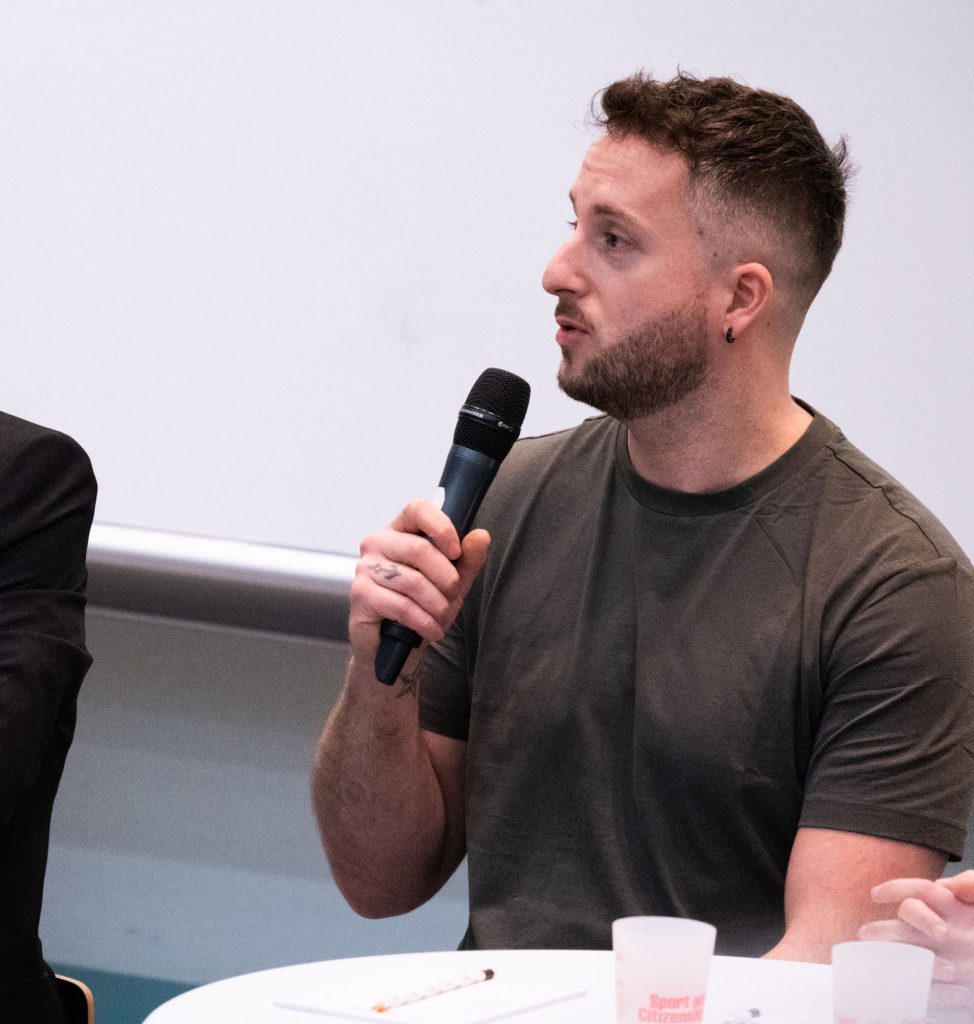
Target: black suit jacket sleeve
{"points": [[47, 498]]}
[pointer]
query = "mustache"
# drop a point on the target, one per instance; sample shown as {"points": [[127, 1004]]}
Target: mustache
{"points": [[569, 308]]}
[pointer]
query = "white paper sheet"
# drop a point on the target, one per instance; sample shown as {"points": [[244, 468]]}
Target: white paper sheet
{"points": [[500, 999]]}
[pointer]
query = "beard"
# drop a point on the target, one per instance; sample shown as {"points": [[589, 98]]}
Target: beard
{"points": [[651, 368]]}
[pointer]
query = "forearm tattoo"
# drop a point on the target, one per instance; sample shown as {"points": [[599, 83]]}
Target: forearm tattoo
{"points": [[409, 682], [387, 572]]}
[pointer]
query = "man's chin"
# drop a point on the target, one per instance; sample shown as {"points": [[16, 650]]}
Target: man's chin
{"points": [[571, 386], [567, 379], [570, 370]]}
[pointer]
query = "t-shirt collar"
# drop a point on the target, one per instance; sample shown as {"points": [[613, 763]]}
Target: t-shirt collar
{"points": [[662, 499]]}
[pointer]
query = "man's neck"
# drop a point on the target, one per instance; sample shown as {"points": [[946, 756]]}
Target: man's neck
{"points": [[700, 447]]}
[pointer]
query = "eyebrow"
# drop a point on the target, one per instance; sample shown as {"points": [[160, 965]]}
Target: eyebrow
{"points": [[604, 210]]}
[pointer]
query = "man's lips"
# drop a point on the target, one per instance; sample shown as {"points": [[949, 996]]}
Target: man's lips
{"points": [[566, 333], [570, 323]]}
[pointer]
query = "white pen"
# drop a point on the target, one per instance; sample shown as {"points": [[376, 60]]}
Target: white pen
{"points": [[743, 1018], [452, 985]]}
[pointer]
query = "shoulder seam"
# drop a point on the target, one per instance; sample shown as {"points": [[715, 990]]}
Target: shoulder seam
{"points": [[880, 487]]}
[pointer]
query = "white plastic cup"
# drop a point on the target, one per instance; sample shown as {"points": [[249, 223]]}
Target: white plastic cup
{"points": [[662, 965], [880, 982]]}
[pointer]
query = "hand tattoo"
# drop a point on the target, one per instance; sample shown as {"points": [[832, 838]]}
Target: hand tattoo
{"points": [[387, 572]]}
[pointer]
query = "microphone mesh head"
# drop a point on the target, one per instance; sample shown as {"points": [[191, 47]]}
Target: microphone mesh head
{"points": [[501, 396]]}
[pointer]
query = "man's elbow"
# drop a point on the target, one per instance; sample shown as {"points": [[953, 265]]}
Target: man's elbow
{"points": [[372, 899]]}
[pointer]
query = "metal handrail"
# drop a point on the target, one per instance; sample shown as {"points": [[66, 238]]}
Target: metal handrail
{"points": [[221, 582]]}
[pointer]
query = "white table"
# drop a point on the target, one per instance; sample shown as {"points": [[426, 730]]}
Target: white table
{"points": [[799, 993]]}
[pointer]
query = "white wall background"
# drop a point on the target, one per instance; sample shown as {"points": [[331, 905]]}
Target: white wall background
{"points": [[254, 252]]}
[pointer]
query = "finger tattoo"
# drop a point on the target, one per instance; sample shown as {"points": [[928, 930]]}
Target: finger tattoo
{"points": [[387, 572]]}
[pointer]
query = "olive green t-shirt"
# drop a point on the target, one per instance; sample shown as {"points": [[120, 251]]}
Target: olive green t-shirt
{"points": [[658, 689]]}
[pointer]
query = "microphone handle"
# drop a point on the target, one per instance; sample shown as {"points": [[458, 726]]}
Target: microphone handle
{"points": [[465, 479]]}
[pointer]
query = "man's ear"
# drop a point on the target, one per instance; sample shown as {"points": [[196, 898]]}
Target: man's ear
{"points": [[752, 288]]}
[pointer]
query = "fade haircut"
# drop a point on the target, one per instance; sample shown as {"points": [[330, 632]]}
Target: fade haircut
{"points": [[758, 167]]}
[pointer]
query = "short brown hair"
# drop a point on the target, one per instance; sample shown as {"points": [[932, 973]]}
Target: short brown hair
{"points": [[752, 155]]}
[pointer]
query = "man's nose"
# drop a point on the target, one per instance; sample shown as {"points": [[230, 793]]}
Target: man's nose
{"points": [[563, 273]]}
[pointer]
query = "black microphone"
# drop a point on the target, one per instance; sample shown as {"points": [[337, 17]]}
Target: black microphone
{"points": [[487, 427]]}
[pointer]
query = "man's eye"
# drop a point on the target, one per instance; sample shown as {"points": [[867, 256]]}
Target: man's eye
{"points": [[572, 224], [612, 240]]}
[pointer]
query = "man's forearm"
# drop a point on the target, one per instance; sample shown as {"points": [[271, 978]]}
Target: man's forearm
{"points": [[377, 799]]}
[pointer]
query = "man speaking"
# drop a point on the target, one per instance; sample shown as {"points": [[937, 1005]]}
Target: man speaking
{"points": [[718, 664]]}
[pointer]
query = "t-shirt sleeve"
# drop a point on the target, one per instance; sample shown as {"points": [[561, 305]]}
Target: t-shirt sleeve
{"points": [[444, 691], [894, 750]]}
